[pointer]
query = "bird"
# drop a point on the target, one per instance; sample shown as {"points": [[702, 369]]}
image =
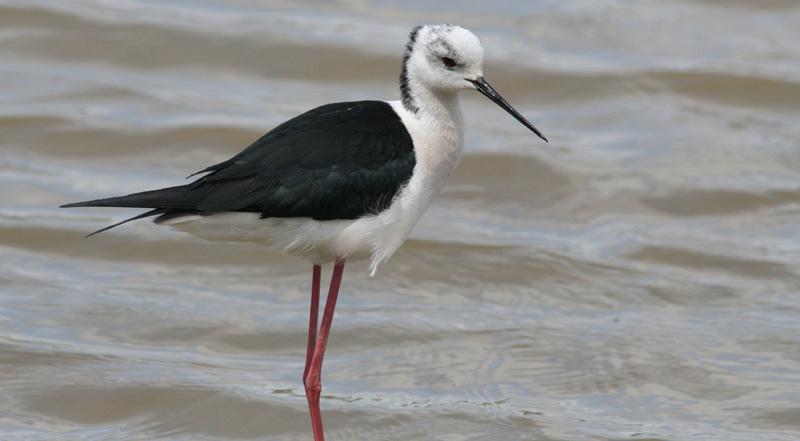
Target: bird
{"points": [[342, 182]]}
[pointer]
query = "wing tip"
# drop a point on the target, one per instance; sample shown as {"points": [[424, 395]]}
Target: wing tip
{"points": [[74, 204], [148, 213]]}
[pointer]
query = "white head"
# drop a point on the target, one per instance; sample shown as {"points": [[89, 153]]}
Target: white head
{"points": [[442, 56], [446, 59]]}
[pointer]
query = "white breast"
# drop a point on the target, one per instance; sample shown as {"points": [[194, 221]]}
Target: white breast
{"points": [[437, 145]]}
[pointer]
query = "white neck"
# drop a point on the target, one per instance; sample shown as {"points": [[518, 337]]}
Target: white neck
{"points": [[435, 109], [436, 126]]}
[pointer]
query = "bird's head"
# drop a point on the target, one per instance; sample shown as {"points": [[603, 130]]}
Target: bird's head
{"points": [[444, 56], [449, 58]]}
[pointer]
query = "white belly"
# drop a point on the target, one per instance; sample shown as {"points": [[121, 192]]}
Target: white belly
{"points": [[317, 241], [376, 237]]}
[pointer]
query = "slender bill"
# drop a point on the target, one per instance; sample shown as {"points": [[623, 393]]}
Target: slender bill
{"points": [[485, 88]]}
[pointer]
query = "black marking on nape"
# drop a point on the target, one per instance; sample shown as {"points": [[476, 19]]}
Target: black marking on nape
{"points": [[405, 88]]}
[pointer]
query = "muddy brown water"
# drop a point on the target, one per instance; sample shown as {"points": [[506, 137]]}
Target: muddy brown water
{"points": [[635, 279]]}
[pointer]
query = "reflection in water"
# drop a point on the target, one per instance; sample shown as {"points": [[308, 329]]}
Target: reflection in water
{"points": [[637, 278]]}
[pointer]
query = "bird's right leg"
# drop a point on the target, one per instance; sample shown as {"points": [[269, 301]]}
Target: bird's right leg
{"points": [[312, 318]]}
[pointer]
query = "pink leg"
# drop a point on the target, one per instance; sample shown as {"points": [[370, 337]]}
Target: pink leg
{"points": [[312, 318], [313, 380]]}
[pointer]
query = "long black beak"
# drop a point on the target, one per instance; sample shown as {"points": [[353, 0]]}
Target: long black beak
{"points": [[486, 89]]}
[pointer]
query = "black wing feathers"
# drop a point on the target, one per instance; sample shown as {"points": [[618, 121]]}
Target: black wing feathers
{"points": [[170, 197], [154, 212], [338, 161]]}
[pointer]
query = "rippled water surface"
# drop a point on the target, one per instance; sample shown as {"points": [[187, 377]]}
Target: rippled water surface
{"points": [[635, 279]]}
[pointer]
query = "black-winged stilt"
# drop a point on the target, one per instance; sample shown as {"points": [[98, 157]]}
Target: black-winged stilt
{"points": [[340, 182]]}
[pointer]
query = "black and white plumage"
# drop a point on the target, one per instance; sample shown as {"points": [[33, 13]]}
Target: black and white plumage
{"points": [[337, 161], [340, 182], [344, 180], [300, 183]]}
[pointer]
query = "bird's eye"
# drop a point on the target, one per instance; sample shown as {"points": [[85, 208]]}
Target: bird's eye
{"points": [[448, 62]]}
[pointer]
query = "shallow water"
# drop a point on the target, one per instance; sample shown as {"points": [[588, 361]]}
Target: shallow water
{"points": [[635, 279]]}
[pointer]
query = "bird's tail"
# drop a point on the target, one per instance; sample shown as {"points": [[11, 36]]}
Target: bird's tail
{"points": [[159, 201]]}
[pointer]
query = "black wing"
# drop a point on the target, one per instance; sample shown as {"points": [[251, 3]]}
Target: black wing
{"points": [[338, 161]]}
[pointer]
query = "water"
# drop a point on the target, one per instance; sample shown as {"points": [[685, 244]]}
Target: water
{"points": [[635, 279]]}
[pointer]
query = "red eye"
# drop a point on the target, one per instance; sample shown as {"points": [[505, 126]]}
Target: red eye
{"points": [[448, 62]]}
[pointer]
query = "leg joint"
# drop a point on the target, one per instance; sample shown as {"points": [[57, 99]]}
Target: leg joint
{"points": [[312, 388]]}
